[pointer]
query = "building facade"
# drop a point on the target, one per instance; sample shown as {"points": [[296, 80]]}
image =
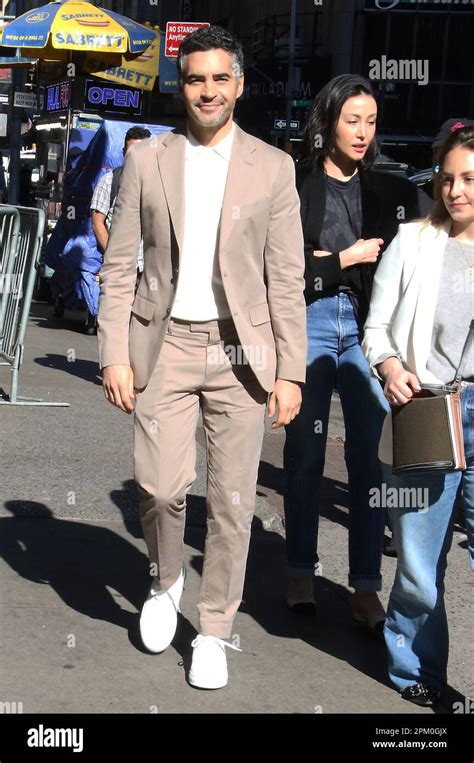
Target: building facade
{"points": [[417, 53]]}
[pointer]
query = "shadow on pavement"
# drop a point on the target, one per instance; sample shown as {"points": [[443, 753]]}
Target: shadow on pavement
{"points": [[42, 315], [331, 631], [79, 561], [82, 369], [126, 500]]}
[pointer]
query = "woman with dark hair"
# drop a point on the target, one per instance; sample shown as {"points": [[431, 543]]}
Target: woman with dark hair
{"points": [[350, 214], [413, 336]]}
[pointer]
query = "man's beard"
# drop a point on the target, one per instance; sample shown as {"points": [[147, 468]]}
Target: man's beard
{"points": [[214, 122]]}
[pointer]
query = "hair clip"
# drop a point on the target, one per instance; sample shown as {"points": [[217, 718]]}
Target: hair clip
{"points": [[457, 126]]}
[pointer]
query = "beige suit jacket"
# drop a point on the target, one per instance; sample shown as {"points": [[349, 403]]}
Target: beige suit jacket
{"points": [[260, 251]]}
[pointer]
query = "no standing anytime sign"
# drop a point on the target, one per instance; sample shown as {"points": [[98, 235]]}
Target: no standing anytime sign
{"points": [[176, 31]]}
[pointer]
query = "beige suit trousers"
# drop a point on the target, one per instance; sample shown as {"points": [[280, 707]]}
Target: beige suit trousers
{"points": [[200, 365]]}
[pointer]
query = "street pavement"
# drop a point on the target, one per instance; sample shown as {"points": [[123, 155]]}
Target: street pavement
{"points": [[74, 571]]}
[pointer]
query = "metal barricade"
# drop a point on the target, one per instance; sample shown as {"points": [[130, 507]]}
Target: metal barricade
{"points": [[21, 235], [9, 232]]}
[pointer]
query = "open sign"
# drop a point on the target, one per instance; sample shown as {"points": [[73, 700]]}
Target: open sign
{"points": [[118, 100]]}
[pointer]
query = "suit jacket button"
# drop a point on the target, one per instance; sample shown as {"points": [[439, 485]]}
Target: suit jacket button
{"points": [[172, 280], [168, 310]]}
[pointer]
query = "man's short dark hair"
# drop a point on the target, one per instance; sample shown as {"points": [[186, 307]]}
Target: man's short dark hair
{"points": [[137, 133], [211, 38]]}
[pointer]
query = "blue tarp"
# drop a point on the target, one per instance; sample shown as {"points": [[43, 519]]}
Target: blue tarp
{"points": [[72, 249]]}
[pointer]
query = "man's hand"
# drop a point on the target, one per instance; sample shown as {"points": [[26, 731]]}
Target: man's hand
{"points": [[118, 387], [286, 396], [399, 384]]}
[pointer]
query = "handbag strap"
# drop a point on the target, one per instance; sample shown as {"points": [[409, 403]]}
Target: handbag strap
{"points": [[465, 352]]}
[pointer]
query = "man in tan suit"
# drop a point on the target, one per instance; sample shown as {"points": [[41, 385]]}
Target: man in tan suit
{"points": [[217, 325]]}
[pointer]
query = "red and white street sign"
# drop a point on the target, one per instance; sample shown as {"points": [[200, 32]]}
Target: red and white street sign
{"points": [[176, 31]]}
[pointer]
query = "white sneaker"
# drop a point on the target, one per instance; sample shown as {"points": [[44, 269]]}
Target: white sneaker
{"points": [[159, 618], [209, 664]]}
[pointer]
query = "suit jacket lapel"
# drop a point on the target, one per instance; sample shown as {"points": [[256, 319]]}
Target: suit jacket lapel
{"points": [[240, 178], [171, 166]]}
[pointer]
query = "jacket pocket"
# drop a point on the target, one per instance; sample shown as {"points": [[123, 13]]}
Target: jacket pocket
{"points": [[259, 314], [144, 308]]}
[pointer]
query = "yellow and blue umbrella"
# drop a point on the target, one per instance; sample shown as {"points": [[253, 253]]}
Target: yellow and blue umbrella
{"points": [[76, 25]]}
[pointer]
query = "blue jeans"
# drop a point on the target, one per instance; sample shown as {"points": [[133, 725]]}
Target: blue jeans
{"points": [[335, 359], [416, 628]]}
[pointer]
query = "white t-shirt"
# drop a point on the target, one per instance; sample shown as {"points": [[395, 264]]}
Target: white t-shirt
{"points": [[200, 293]]}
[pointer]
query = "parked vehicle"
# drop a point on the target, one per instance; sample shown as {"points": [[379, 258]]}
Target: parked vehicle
{"points": [[424, 180]]}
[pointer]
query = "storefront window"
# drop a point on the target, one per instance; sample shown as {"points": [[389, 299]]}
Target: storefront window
{"points": [[392, 105], [430, 42], [424, 107], [375, 31], [402, 31], [440, 44], [456, 100], [459, 63]]}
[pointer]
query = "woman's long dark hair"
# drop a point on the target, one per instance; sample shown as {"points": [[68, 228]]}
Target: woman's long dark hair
{"points": [[320, 131]]}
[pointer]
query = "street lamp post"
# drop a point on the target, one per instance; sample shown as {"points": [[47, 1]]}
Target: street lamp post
{"points": [[16, 8]]}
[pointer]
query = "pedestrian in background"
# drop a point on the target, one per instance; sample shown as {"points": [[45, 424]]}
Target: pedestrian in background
{"points": [[350, 213], [105, 193], [102, 208], [421, 310]]}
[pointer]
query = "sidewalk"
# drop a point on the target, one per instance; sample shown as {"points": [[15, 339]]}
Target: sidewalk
{"points": [[74, 571]]}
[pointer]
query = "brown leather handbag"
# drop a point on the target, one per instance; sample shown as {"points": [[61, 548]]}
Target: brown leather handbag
{"points": [[427, 431]]}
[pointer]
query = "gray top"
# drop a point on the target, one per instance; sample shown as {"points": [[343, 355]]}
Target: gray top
{"points": [[342, 226], [343, 214], [454, 312]]}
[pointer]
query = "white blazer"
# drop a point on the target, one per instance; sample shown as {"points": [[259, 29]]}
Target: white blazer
{"points": [[403, 304]]}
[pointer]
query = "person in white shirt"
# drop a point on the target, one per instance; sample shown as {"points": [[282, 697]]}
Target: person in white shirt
{"points": [[217, 325]]}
